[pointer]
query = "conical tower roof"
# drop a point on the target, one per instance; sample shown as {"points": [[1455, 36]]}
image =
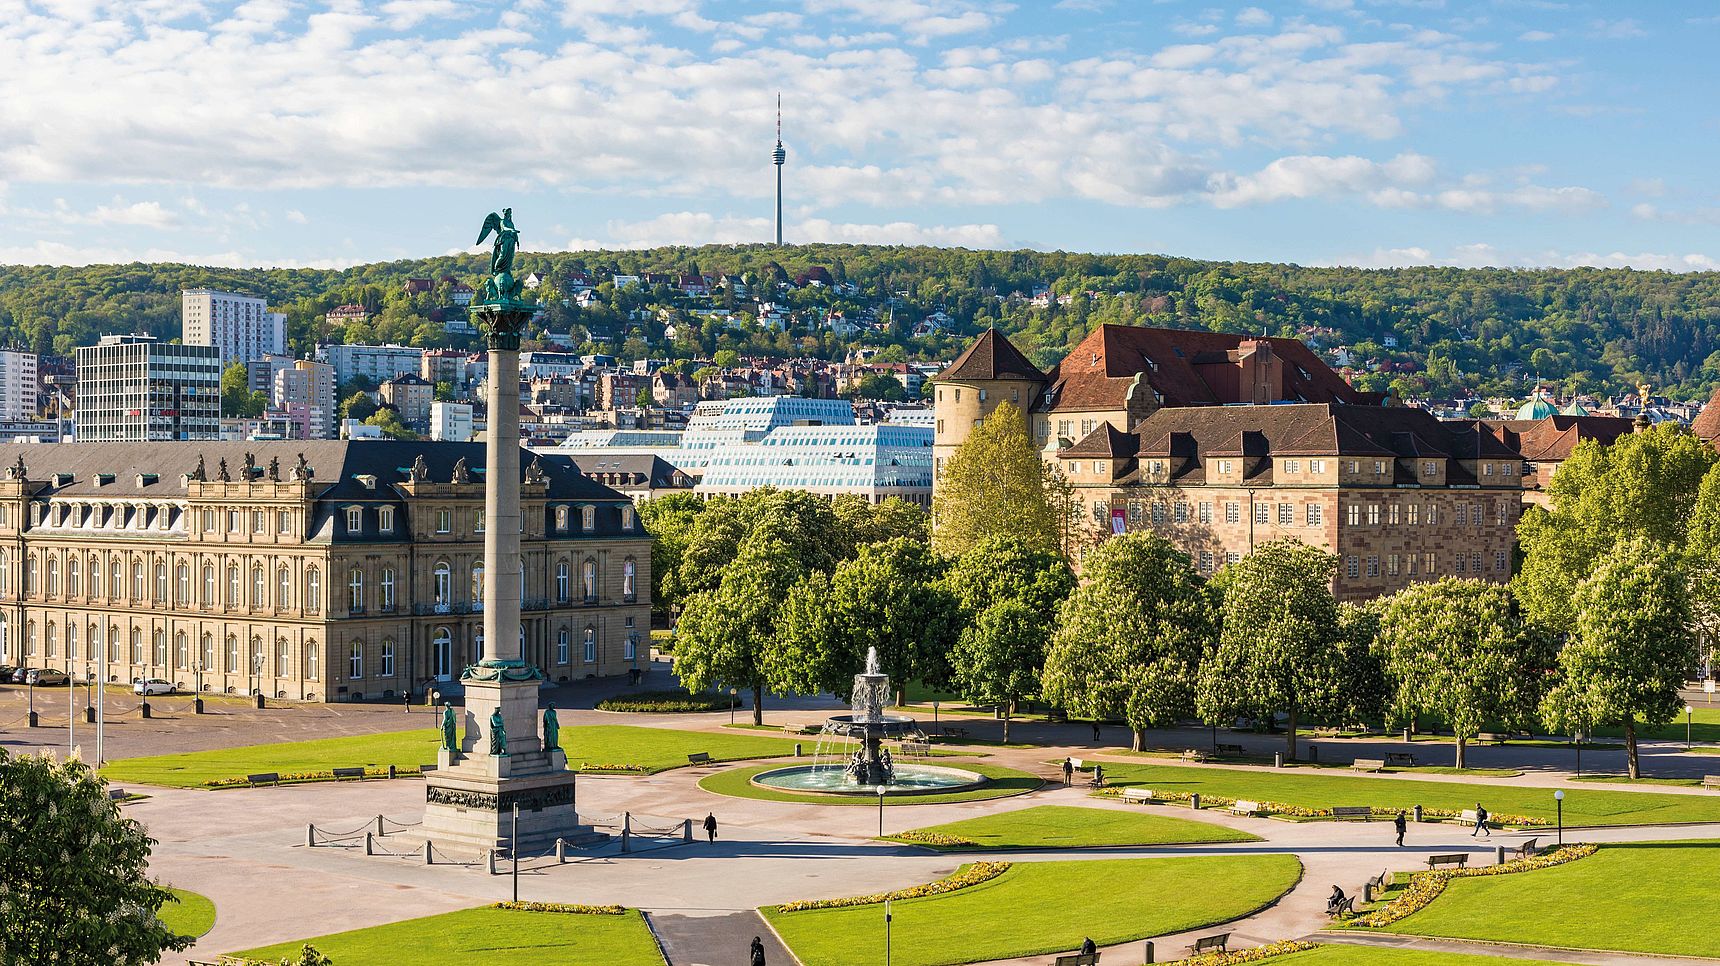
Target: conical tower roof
{"points": [[991, 357]]}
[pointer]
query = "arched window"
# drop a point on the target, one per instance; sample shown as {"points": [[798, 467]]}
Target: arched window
{"points": [[234, 597], [206, 653], [53, 640], [95, 570], [283, 585], [313, 669], [5, 572], [478, 644], [587, 518], [387, 658], [442, 653], [313, 589], [71, 642], [232, 654], [161, 581], [590, 644], [444, 582], [137, 587], [256, 667], [116, 577], [113, 644], [561, 518], [209, 585], [30, 638], [477, 588], [355, 590], [563, 581], [182, 583], [30, 575], [181, 652], [627, 517], [159, 649], [74, 579], [258, 587], [588, 581], [627, 572], [561, 647], [283, 659], [53, 577], [355, 662], [387, 588], [136, 647]]}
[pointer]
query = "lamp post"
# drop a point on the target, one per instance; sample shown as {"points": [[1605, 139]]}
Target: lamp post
{"points": [[880, 811], [1559, 803], [71, 709], [514, 849], [1577, 739], [732, 702], [1688, 711], [886, 932]]}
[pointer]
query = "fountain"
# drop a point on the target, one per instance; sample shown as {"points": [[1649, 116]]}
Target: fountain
{"points": [[869, 768]]}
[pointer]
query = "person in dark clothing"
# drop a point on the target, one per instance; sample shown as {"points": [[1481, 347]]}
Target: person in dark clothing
{"points": [[756, 953], [1481, 822], [1401, 824], [1087, 947], [1335, 901], [1068, 771], [1098, 776], [711, 826], [1095, 730]]}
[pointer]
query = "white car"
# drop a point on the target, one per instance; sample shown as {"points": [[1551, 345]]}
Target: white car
{"points": [[149, 686]]}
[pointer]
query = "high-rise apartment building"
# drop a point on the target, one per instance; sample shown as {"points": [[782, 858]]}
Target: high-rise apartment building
{"points": [[135, 388], [241, 327], [19, 385], [305, 394], [377, 363]]}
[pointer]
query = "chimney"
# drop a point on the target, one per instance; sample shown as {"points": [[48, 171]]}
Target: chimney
{"points": [[1260, 375]]}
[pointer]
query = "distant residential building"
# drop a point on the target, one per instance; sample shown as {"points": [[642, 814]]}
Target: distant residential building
{"points": [[461, 294], [342, 315], [451, 422], [446, 365], [640, 476], [359, 429], [136, 388], [873, 462], [616, 390], [534, 365], [304, 394], [240, 327], [411, 395], [20, 385], [674, 391], [378, 363]]}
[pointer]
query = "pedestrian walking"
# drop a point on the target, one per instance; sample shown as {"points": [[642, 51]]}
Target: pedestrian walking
{"points": [[710, 826], [1401, 824], [1068, 771], [755, 956], [1095, 731], [1481, 822]]}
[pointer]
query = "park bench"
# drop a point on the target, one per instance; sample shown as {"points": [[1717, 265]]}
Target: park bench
{"points": [[810, 729], [116, 794], [1459, 859], [1528, 849], [264, 778], [1400, 759], [1342, 909], [699, 758], [1078, 959], [1142, 795], [1194, 754], [1711, 781], [1378, 883], [955, 732], [1204, 943], [916, 748], [1245, 807], [1352, 813], [1468, 817], [1229, 751], [1368, 764], [342, 774], [1493, 736]]}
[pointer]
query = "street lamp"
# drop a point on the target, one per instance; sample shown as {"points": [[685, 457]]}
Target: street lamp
{"points": [[886, 932], [1559, 803], [732, 703], [1688, 711], [880, 811]]}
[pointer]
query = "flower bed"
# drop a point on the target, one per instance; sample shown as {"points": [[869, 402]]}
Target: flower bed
{"points": [[597, 766], [563, 907], [1303, 811], [938, 839], [1281, 948], [668, 702], [1424, 887], [296, 778], [968, 875]]}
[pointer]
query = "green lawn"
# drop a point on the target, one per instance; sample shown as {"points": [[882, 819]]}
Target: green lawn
{"points": [[1064, 826], [1340, 954], [189, 914], [737, 783], [488, 937], [1652, 897], [1584, 804], [654, 749], [1704, 727], [1041, 907]]}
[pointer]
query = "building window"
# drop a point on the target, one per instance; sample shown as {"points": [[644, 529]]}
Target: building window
{"points": [[1262, 513], [1231, 556], [1224, 467], [209, 585], [53, 640], [53, 577], [283, 586], [1316, 515], [1205, 513], [256, 521], [1352, 566], [1233, 513], [259, 590], [1316, 466], [1206, 561], [628, 592], [159, 639], [1414, 514], [1373, 514], [1391, 565], [562, 655], [354, 519], [1430, 561], [1180, 512], [1286, 514], [588, 518], [561, 518], [355, 590], [313, 589], [588, 581], [1373, 566], [563, 581], [312, 670], [444, 585], [1486, 469], [283, 521], [590, 644], [232, 654], [388, 588], [444, 521], [442, 654], [208, 521], [1498, 517], [1158, 512], [627, 511], [181, 652], [136, 644], [1433, 514], [161, 582], [1499, 557], [1429, 467], [1379, 468], [387, 658], [233, 597], [355, 662], [1353, 514], [478, 520], [1459, 564], [233, 521], [1392, 514], [73, 584], [1292, 467], [1462, 514], [283, 660], [30, 575], [385, 519], [1476, 516]]}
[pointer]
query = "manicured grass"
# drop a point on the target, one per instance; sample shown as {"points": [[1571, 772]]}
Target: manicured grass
{"points": [[488, 937], [1651, 897], [737, 783], [652, 749], [1041, 907], [1341, 954], [189, 915], [1627, 780], [1584, 805], [1704, 727], [1064, 826]]}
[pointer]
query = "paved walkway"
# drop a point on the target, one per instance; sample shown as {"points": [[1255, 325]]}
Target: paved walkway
{"points": [[724, 939]]}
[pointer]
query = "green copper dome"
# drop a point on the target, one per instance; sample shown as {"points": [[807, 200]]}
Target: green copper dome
{"points": [[1576, 409], [1537, 408]]}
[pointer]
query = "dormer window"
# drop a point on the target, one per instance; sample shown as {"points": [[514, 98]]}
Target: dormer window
{"points": [[354, 519], [1224, 467], [627, 517], [587, 518], [1429, 468], [385, 519], [561, 518]]}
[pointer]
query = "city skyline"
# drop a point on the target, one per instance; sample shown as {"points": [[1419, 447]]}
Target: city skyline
{"points": [[1326, 132]]}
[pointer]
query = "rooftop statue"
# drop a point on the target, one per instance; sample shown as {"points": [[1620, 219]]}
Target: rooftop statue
{"points": [[501, 286]]}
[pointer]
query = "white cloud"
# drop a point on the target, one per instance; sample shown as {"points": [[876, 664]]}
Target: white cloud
{"points": [[1616, 29], [698, 228], [46, 252], [145, 214], [1483, 255], [296, 216], [1253, 17], [1535, 36], [1306, 176], [1530, 197], [406, 14]]}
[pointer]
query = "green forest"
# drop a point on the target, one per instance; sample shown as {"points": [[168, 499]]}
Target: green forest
{"points": [[1456, 331]]}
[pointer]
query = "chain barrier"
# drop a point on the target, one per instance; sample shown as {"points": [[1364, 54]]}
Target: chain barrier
{"points": [[399, 826], [417, 851], [439, 857]]}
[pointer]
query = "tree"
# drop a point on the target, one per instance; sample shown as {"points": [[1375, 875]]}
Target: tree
{"points": [[237, 399], [444, 391], [1129, 641], [999, 656], [878, 385], [1278, 650], [1006, 568], [644, 399], [993, 484], [1644, 485], [387, 419], [860, 522], [1461, 651], [1631, 648], [74, 885], [358, 406], [722, 635], [1702, 558], [669, 521]]}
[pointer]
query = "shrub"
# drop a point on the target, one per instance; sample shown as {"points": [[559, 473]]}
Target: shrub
{"points": [[1303, 811], [563, 907], [1280, 948], [935, 838], [668, 702], [967, 875], [300, 777]]}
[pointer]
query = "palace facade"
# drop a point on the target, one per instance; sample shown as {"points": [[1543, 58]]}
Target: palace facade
{"points": [[313, 570]]}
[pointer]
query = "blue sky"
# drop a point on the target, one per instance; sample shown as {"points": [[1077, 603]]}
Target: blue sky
{"points": [[1365, 132]]}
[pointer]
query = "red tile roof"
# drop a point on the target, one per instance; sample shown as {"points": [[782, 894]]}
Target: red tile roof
{"points": [[1552, 438], [991, 357], [1706, 425]]}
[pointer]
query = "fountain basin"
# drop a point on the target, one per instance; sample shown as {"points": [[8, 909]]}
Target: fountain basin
{"points": [[833, 779], [856, 725]]}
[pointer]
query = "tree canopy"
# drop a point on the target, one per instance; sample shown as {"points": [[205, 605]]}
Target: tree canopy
{"points": [[994, 484]]}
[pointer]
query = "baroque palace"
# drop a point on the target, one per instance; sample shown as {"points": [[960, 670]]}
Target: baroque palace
{"points": [[1222, 442], [314, 570]]}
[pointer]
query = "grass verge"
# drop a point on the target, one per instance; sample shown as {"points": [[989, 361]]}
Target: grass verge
{"points": [[737, 783], [488, 937], [188, 914], [1065, 826]]}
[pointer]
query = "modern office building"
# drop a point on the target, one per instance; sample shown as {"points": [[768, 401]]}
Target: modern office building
{"points": [[451, 422], [137, 389], [721, 423], [378, 363], [874, 462], [321, 570], [241, 327], [20, 385]]}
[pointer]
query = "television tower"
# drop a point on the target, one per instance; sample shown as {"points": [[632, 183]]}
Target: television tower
{"points": [[777, 157]]}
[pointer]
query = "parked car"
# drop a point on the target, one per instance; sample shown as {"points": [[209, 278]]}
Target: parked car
{"points": [[149, 686], [6, 672], [19, 675], [46, 677]]}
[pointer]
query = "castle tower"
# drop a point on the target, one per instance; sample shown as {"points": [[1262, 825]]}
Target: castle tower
{"points": [[777, 157], [990, 372]]}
